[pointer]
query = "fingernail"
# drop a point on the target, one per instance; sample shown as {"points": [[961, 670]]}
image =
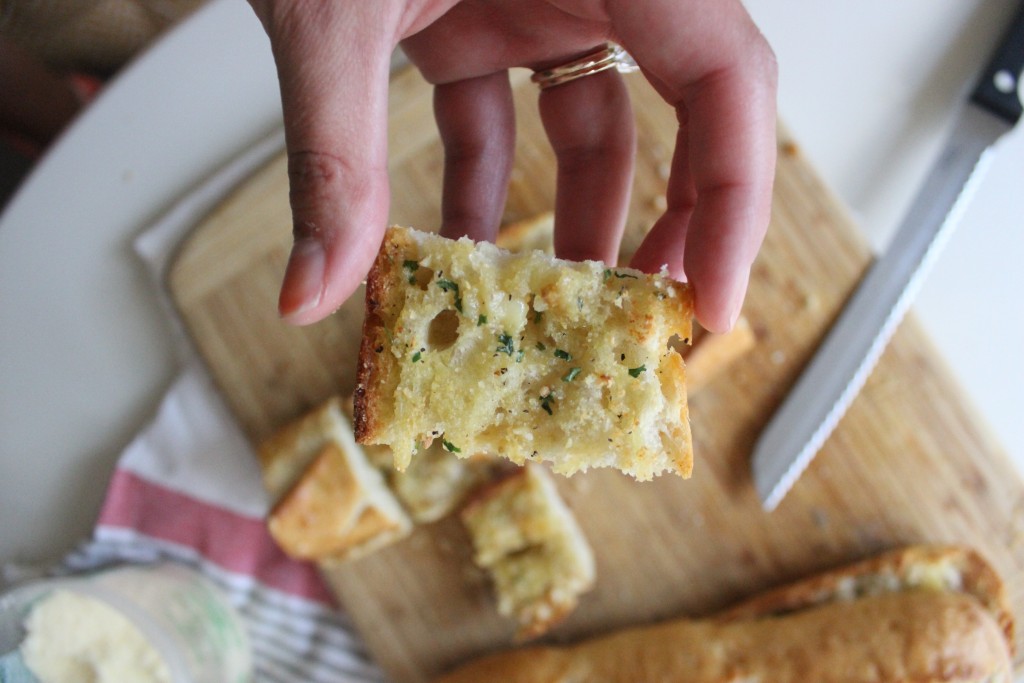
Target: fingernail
{"points": [[303, 285]]}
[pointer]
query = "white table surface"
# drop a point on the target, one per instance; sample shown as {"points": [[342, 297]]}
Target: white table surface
{"points": [[868, 88]]}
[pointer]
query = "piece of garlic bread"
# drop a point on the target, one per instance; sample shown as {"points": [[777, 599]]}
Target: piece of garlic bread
{"points": [[524, 356]]}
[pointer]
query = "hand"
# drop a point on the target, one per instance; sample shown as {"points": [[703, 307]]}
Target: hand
{"points": [[704, 57]]}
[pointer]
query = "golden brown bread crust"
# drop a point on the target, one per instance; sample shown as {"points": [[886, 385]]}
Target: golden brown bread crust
{"points": [[927, 614], [916, 636], [379, 293], [928, 567], [284, 455], [331, 502], [324, 514]]}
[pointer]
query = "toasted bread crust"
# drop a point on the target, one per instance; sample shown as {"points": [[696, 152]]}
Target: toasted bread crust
{"points": [[331, 502], [375, 366], [285, 454], [937, 568], [324, 514], [894, 638], [922, 624]]}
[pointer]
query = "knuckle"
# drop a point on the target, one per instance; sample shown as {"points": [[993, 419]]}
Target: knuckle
{"points": [[593, 120], [310, 165], [314, 181], [313, 176], [763, 57], [325, 190]]}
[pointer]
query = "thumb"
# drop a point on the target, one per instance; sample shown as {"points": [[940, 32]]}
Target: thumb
{"points": [[333, 63]]}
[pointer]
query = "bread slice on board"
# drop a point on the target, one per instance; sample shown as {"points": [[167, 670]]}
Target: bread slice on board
{"points": [[523, 356], [331, 504], [338, 510], [526, 538]]}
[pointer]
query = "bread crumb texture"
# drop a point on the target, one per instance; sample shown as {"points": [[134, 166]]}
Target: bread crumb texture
{"points": [[523, 356], [436, 481]]}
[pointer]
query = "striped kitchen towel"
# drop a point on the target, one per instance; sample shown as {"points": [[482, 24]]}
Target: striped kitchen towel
{"points": [[187, 489]]}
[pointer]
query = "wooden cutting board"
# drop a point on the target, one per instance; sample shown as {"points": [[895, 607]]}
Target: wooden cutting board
{"points": [[909, 463]]}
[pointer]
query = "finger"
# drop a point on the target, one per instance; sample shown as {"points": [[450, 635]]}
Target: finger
{"points": [[708, 59], [476, 120], [733, 206], [333, 67], [665, 244], [590, 124]]}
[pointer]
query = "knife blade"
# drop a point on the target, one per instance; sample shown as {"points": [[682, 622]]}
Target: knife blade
{"points": [[852, 347]]}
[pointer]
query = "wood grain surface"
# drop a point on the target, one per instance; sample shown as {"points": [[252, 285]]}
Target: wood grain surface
{"points": [[910, 462]]}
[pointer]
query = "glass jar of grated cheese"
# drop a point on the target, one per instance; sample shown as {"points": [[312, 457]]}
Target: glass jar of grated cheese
{"points": [[153, 624]]}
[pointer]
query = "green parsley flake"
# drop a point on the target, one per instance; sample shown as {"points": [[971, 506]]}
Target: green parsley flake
{"points": [[506, 343], [449, 286], [482, 320], [416, 356], [412, 267], [635, 372], [564, 355], [622, 275], [540, 347], [607, 274], [450, 447], [545, 403], [571, 375]]}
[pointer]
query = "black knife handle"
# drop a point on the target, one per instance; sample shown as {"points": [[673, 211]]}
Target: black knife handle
{"points": [[999, 89]]}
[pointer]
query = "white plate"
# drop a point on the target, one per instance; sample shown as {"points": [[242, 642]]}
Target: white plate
{"points": [[84, 352]]}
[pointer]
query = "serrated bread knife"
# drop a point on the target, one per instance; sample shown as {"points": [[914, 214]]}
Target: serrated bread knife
{"points": [[841, 365]]}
